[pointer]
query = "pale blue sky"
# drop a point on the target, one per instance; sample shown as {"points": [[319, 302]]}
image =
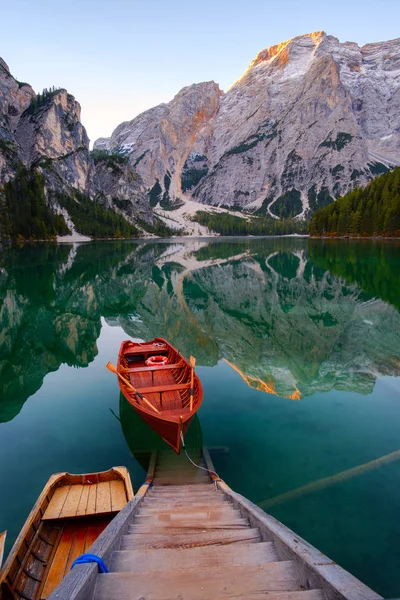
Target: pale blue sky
{"points": [[121, 57]]}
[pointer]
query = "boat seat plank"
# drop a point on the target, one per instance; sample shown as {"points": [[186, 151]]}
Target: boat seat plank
{"points": [[156, 368], [118, 495], [70, 507], [91, 505], [56, 504], [143, 349], [103, 498], [81, 509], [164, 388]]}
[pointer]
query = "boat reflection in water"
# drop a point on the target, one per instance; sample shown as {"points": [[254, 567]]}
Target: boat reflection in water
{"points": [[143, 441]]}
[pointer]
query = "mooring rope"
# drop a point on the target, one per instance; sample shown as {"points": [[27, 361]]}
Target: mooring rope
{"points": [[193, 463]]}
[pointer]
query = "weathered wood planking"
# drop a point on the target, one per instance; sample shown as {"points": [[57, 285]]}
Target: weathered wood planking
{"points": [[201, 557], [199, 585], [190, 539]]}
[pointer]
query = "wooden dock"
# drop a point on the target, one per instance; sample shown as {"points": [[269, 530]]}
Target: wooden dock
{"points": [[186, 535]]}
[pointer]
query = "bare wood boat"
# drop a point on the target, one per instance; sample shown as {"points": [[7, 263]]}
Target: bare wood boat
{"points": [[67, 518], [166, 396]]}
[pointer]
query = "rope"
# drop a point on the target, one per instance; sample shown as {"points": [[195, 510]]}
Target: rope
{"points": [[90, 558], [193, 463]]}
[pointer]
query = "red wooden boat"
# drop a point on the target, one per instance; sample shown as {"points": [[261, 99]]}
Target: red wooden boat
{"points": [[161, 387]]}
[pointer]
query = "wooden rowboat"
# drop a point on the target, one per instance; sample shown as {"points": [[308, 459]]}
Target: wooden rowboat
{"points": [[166, 396], [67, 518]]}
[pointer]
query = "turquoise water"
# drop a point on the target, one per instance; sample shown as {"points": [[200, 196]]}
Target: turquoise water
{"points": [[298, 349]]}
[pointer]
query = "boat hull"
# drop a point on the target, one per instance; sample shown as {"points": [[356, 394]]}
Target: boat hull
{"points": [[168, 406]]}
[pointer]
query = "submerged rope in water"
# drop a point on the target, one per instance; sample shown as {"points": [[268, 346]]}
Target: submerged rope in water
{"points": [[327, 481], [193, 463]]}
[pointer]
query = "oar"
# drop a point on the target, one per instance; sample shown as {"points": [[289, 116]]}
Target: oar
{"points": [[192, 364], [113, 369]]}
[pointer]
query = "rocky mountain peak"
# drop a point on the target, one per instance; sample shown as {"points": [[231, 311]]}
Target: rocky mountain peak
{"points": [[283, 50]]}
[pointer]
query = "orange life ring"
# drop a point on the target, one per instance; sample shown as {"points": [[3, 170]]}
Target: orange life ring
{"points": [[156, 361]]}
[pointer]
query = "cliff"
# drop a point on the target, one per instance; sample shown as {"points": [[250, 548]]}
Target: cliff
{"points": [[44, 149]]}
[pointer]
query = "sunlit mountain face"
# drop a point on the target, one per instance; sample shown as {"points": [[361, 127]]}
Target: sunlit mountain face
{"points": [[291, 316]]}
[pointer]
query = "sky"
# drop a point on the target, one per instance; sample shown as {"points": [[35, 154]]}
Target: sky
{"points": [[121, 57]]}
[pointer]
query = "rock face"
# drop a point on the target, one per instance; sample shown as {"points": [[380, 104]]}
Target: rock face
{"points": [[44, 133], [122, 190], [309, 120], [15, 97], [159, 140]]}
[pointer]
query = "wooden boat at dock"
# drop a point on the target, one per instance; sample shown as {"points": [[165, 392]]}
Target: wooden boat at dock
{"points": [[166, 394], [189, 535], [69, 515]]}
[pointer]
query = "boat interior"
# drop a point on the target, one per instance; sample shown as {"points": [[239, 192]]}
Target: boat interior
{"points": [[68, 519], [167, 387]]}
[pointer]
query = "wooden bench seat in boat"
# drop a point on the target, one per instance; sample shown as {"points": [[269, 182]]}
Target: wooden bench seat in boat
{"points": [[156, 389], [81, 500], [156, 368]]}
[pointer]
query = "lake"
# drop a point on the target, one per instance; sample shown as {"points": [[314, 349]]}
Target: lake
{"points": [[297, 344]]}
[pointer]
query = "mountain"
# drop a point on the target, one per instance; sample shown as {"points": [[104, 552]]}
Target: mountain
{"points": [[309, 120], [44, 153]]}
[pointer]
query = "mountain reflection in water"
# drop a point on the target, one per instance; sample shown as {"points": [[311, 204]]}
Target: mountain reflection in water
{"points": [[292, 316]]}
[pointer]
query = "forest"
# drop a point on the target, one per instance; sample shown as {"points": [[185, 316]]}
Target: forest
{"points": [[24, 212], [227, 224], [370, 211]]}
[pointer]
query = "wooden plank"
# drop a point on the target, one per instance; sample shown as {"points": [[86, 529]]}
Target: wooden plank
{"points": [[83, 501], [182, 506], [118, 495], [91, 505], [184, 489], [189, 526], [163, 388], [197, 585], [54, 509], [190, 539], [70, 507], [203, 557], [156, 368], [180, 478], [304, 595], [103, 498], [77, 546], [57, 568], [198, 511], [174, 517]]}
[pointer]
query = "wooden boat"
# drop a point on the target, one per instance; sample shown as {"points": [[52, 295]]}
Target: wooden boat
{"points": [[166, 396], [67, 518]]}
